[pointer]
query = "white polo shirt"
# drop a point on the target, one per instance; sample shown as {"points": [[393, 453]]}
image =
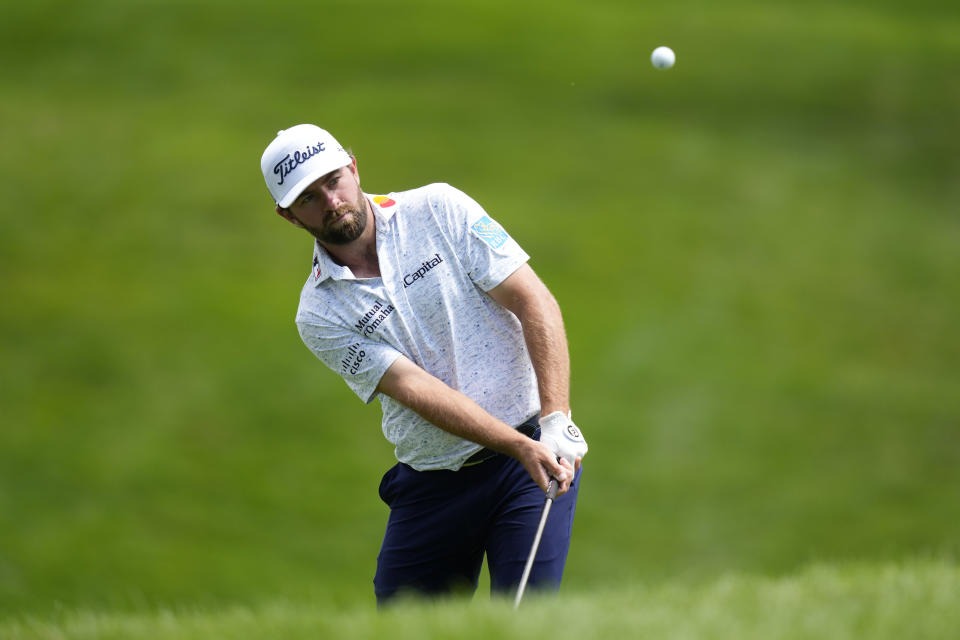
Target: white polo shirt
{"points": [[439, 253]]}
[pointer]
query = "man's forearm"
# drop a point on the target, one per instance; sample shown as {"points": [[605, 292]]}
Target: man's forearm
{"points": [[454, 412], [447, 408], [525, 295], [546, 341]]}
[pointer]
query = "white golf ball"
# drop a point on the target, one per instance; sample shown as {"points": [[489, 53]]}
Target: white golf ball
{"points": [[663, 57]]}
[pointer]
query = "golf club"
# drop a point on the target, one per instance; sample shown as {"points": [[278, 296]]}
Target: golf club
{"points": [[551, 494]]}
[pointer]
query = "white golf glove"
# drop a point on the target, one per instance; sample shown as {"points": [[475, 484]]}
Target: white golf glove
{"points": [[561, 436]]}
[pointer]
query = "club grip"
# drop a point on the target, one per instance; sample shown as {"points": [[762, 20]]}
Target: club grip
{"points": [[552, 487]]}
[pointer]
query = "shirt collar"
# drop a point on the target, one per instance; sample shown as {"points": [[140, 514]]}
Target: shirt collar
{"points": [[384, 207]]}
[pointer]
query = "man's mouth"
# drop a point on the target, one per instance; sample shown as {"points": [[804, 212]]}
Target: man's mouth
{"points": [[337, 214]]}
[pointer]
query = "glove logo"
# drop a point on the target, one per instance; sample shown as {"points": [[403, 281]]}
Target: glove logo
{"points": [[573, 433]]}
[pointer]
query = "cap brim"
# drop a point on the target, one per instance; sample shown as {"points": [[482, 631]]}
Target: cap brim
{"points": [[305, 182]]}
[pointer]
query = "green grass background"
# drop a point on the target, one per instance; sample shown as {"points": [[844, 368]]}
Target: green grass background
{"points": [[889, 601], [757, 254]]}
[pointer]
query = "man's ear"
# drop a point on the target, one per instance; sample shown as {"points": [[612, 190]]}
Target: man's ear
{"points": [[288, 216], [353, 168]]}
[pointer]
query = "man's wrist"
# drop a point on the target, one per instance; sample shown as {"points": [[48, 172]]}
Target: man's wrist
{"points": [[513, 442]]}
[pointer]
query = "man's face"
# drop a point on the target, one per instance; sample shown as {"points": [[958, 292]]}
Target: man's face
{"points": [[333, 208]]}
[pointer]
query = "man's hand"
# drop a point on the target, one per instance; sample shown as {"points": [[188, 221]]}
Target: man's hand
{"points": [[563, 438], [542, 465]]}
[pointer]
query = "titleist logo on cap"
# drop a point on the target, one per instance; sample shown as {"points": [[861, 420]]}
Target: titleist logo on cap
{"points": [[289, 163]]}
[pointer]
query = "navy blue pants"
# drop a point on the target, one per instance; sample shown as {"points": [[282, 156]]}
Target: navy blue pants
{"points": [[443, 522]]}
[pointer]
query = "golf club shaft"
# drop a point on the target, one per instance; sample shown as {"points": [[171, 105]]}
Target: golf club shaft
{"points": [[551, 494]]}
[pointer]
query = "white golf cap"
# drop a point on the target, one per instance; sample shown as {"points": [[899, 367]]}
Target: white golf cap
{"points": [[297, 157]]}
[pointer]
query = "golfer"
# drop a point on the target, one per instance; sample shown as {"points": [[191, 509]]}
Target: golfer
{"points": [[421, 300]]}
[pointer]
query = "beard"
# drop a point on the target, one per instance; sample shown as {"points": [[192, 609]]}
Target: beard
{"points": [[348, 223]]}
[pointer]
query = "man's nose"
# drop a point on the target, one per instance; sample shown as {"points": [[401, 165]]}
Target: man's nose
{"points": [[332, 199]]}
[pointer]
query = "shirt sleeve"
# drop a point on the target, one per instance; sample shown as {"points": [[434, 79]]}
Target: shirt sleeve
{"points": [[361, 362], [486, 250]]}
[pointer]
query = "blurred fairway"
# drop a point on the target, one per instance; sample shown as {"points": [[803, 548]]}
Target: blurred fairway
{"points": [[757, 254]]}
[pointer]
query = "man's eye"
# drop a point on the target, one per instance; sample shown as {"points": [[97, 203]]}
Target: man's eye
{"points": [[333, 181], [306, 198]]}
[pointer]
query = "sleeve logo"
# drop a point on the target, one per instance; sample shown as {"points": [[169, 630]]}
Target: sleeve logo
{"points": [[490, 232], [352, 359]]}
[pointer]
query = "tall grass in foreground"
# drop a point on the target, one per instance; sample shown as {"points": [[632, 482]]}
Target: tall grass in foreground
{"points": [[915, 600]]}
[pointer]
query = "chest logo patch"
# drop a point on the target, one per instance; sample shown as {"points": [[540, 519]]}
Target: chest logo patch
{"points": [[490, 232], [372, 319], [425, 267]]}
